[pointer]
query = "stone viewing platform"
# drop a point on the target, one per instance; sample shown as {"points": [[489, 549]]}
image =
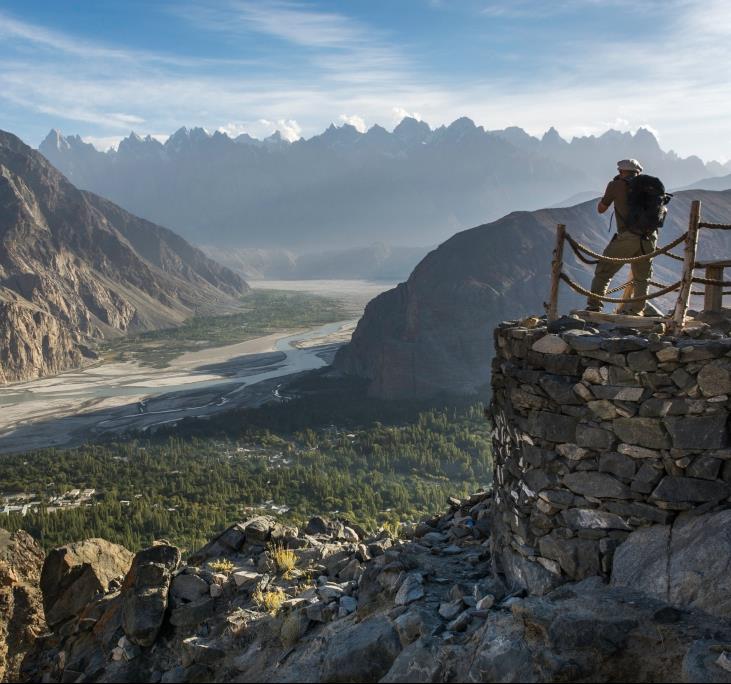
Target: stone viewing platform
{"points": [[600, 431]]}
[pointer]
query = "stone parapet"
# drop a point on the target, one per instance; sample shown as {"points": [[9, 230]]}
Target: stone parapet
{"points": [[597, 433]]}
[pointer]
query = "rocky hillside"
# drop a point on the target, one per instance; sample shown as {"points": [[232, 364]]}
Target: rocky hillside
{"points": [[433, 333], [331, 602], [343, 188], [21, 610], [75, 267]]}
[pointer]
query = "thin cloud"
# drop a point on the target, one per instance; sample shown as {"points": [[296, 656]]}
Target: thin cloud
{"points": [[582, 88], [340, 47], [71, 46], [355, 121]]}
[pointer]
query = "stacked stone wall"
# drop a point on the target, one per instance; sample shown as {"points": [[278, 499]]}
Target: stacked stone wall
{"points": [[597, 434]]}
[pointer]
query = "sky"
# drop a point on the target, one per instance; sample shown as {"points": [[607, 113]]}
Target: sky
{"points": [[101, 68]]}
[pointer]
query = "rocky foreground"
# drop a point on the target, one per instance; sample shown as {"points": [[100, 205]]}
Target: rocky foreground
{"points": [[266, 602]]}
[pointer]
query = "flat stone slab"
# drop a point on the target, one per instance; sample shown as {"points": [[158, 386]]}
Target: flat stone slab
{"points": [[620, 320]]}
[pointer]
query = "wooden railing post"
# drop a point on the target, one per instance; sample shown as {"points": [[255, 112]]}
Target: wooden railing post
{"points": [[556, 268], [713, 299], [686, 282]]}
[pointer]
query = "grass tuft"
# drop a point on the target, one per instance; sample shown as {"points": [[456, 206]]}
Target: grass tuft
{"points": [[284, 559]]}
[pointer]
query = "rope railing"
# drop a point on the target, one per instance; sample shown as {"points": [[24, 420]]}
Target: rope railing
{"points": [[715, 226], [714, 283], [711, 281], [615, 300], [577, 247]]}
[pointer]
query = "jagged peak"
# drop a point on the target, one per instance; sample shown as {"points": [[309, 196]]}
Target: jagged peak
{"points": [[54, 140], [376, 129], [410, 129], [646, 137], [461, 124], [553, 136]]}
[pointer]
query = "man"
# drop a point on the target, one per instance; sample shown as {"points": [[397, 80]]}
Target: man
{"points": [[627, 242]]}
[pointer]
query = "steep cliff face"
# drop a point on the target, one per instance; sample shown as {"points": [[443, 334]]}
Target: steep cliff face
{"points": [[74, 266], [433, 333], [33, 343], [21, 610]]}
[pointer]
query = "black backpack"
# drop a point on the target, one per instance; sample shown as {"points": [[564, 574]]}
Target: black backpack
{"points": [[646, 200]]}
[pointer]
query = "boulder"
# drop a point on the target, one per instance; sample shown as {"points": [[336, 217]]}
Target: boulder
{"points": [[189, 587], [75, 574], [317, 525], [258, 529], [228, 542], [412, 589], [361, 653], [417, 623], [145, 593], [192, 614], [687, 564]]}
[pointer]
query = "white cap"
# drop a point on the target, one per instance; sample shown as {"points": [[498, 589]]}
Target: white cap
{"points": [[629, 165]]}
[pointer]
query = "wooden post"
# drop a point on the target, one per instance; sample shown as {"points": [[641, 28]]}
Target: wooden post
{"points": [[556, 268], [686, 281], [713, 298]]}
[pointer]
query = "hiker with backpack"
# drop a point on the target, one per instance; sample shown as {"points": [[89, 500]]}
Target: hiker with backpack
{"points": [[639, 208]]}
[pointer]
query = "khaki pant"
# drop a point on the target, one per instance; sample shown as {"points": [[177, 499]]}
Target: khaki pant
{"points": [[624, 245]]}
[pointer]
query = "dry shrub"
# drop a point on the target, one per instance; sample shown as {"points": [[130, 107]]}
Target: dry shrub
{"points": [[270, 601], [222, 565]]}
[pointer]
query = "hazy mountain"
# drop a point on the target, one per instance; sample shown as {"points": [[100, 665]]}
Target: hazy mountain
{"points": [[579, 198], [74, 266], [433, 333], [374, 262], [713, 183], [343, 188]]}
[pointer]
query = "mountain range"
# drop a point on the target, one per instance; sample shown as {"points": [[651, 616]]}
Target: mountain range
{"points": [[74, 267], [433, 333], [414, 186]]}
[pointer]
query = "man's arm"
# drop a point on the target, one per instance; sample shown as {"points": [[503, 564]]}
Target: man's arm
{"points": [[606, 201]]}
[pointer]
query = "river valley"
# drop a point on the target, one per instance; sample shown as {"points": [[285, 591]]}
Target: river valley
{"points": [[122, 396]]}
